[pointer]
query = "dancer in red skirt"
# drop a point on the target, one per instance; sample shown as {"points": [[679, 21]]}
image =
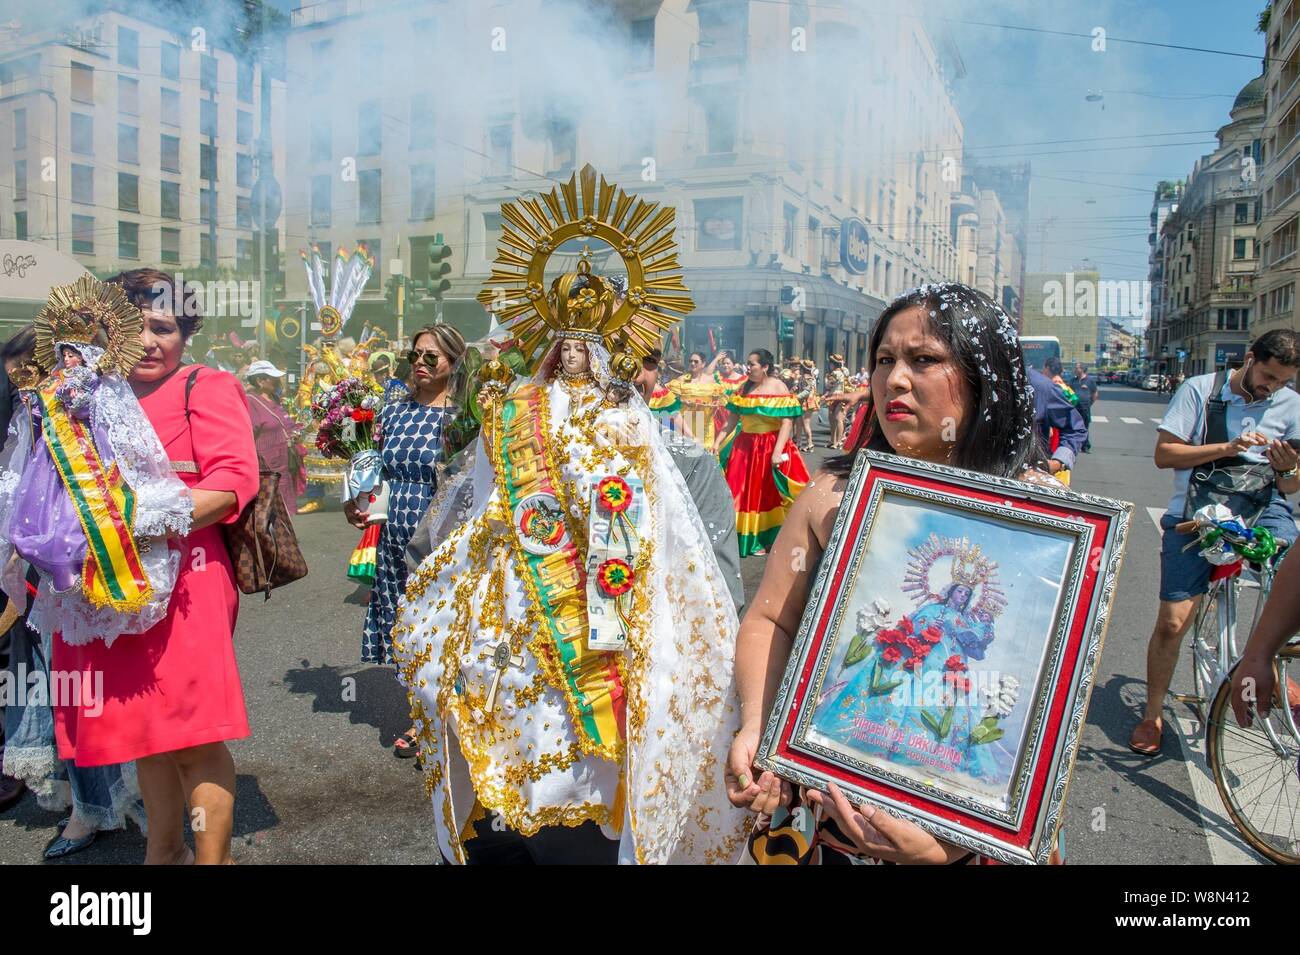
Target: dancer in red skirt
{"points": [[764, 469]]}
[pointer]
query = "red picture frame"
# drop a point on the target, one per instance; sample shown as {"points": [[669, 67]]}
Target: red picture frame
{"points": [[1046, 558]]}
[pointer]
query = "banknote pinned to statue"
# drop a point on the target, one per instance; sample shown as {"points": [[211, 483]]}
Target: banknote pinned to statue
{"points": [[613, 542]]}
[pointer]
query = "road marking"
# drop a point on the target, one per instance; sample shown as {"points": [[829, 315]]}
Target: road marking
{"points": [[1100, 419], [1225, 842], [1156, 420], [1131, 420], [1155, 513]]}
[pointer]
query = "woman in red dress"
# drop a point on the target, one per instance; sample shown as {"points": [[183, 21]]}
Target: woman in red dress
{"points": [[172, 695], [764, 469]]}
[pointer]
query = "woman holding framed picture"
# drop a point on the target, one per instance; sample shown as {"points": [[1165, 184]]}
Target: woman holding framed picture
{"points": [[948, 386]]}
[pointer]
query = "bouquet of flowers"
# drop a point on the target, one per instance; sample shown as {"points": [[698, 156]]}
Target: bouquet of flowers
{"points": [[346, 427]]}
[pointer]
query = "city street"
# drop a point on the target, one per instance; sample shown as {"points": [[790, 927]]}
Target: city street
{"points": [[318, 782]]}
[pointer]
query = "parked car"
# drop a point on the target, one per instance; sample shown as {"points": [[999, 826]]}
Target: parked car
{"points": [[1151, 383]]}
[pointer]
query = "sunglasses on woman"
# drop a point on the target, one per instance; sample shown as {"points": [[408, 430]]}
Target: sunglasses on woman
{"points": [[427, 358]]}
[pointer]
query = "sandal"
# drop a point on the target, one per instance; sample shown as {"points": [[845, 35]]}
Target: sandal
{"points": [[407, 746]]}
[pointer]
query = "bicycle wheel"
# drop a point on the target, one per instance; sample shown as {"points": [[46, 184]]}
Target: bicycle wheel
{"points": [[1205, 645], [1259, 786]]}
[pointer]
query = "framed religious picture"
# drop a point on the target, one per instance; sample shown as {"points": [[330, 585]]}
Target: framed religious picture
{"points": [[944, 662]]}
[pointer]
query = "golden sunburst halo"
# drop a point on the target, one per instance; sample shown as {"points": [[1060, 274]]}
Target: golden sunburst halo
{"points": [[639, 232], [77, 312]]}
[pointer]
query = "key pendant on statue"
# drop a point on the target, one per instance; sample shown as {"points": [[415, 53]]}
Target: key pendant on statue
{"points": [[502, 659]]}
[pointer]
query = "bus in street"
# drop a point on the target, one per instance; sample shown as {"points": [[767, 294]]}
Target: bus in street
{"points": [[1038, 348]]}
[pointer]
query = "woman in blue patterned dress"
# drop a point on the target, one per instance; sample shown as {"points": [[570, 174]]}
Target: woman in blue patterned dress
{"points": [[411, 444]]}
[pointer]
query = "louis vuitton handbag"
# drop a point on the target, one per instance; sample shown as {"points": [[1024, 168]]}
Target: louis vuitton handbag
{"points": [[263, 547]]}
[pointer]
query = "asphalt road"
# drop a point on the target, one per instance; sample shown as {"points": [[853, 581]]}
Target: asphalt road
{"points": [[318, 782]]}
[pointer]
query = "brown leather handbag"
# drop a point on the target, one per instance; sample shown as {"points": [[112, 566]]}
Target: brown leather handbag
{"points": [[263, 548]]}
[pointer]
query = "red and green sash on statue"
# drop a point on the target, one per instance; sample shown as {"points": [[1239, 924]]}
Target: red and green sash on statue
{"points": [[113, 574], [554, 570]]}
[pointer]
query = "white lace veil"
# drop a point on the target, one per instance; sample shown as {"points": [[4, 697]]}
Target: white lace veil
{"points": [[163, 506]]}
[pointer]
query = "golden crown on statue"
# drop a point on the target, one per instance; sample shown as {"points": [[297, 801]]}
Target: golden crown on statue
{"points": [[580, 304]]}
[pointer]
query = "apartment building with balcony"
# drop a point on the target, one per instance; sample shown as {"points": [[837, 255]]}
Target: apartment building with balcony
{"points": [[783, 135], [1164, 201], [132, 142], [1275, 286], [1210, 249]]}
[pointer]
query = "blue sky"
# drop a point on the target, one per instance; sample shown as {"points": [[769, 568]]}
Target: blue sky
{"points": [[1030, 88]]}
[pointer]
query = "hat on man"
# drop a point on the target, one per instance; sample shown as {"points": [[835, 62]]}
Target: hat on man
{"points": [[262, 367]]}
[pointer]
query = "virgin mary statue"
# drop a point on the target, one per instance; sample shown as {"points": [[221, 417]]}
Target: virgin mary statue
{"points": [[567, 644]]}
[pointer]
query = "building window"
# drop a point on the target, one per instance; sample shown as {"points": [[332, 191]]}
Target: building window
{"points": [[128, 192], [369, 195], [169, 112], [128, 96], [83, 134], [718, 224], [787, 235], [1241, 215], [322, 139], [421, 121], [128, 240], [206, 256], [83, 83], [642, 54], [207, 206], [20, 129], [169, 200], [422, 180], [243, 212], [20, 226], [208, 117], [322, 65], [814, 244], [320, 200], [83, 184], [244, 80], [169, 153], [501, 148], [720, 125], [128, 47], [244, 253], [83, 235], [207, 73], [370, 128], [1238, 248], [563, 138], [243, 127], [128, 143], [20, 180], [171, 61], [244, 170], [170, 246], [207, 161], [492, 225]]}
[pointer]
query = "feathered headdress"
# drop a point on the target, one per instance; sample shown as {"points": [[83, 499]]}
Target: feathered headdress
{"points": [[351, 273]]}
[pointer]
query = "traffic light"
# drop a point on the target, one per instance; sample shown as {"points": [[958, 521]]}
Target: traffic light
{"points": [[439, 268], [786, 332], [393, 293]]}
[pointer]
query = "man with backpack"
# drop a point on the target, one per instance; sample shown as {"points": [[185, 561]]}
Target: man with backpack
{"points": [[1246, 424]]}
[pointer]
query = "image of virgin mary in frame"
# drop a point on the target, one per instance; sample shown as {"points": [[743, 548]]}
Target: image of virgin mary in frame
{"points": [[944, 660]]}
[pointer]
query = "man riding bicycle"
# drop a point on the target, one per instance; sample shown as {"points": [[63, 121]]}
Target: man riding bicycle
{"points": [[1244, 418]]}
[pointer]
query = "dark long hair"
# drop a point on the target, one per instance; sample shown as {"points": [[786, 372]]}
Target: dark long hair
{"points": [[998, 437], [767, 360]]}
